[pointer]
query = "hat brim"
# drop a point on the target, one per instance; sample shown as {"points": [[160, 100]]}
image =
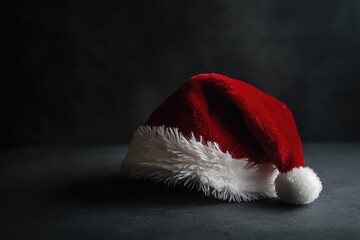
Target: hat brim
{"points": [[164, 154]]}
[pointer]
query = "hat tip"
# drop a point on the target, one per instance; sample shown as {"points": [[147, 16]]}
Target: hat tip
{"points": [[299, 186]]}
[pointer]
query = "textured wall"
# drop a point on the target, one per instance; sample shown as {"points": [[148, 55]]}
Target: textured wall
{"points": [[87, 72]]}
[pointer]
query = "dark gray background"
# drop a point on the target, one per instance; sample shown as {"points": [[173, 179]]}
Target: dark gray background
{"points": [[90, 72]]}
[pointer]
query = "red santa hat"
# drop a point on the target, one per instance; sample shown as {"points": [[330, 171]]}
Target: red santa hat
{"points": [[228, 139]]}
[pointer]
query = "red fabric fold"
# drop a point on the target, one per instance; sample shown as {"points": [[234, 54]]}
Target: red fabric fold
{"points": [[243, 120]]}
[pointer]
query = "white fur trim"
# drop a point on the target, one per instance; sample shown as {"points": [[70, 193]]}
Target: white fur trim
{"points": [[298, 186], [164, 154]]}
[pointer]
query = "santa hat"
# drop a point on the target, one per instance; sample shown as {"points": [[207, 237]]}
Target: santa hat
{"points": [[228, 139]]}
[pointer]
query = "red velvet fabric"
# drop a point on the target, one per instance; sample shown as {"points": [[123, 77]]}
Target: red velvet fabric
{"points": [[243, 120]]}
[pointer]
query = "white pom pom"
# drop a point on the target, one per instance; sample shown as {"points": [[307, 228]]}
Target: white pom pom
{"points": [[298, 186]]}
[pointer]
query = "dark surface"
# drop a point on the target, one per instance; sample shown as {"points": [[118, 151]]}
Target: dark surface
{"points": [[90, 72], [77, 193]]}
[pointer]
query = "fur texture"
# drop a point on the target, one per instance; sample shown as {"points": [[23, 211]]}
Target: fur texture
{"points": [[164, 154], [298, 186]]}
